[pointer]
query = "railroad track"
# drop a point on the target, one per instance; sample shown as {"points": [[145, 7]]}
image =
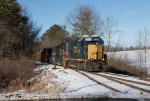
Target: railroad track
{"points": [[98, 82], [115, 79], [145, 79], [132, 81], [127, 84]]}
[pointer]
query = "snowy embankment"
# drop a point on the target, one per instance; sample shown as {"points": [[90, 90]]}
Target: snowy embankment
{"points": [[136, 57], [67, 83]]}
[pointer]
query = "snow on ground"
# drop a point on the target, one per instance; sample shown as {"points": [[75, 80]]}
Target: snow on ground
{"points": [[127, 77], [74, 85], [121, 87], [79, 84], [134, 57]]}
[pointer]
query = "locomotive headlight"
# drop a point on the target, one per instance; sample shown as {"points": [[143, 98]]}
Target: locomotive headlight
{"points": [[91, 59]]}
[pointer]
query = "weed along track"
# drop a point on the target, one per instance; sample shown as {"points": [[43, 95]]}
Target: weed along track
{"points": [[122, 82], [98, 82]]}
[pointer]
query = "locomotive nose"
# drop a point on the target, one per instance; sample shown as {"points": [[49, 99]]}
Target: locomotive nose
{"points": [[94, 52]]}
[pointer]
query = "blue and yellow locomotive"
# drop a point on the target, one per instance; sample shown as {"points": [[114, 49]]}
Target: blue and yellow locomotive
{"points": [[87, 53]]}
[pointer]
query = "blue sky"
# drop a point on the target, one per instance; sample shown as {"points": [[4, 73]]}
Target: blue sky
{"points": [[132, 15]]}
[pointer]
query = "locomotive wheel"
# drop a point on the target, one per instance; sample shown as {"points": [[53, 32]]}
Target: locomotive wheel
{"points": [[91, 66], [104, 66], [80, 65], [87, 67]]}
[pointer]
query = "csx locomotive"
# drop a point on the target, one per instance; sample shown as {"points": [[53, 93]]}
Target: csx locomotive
{"points": [[86, 53]]}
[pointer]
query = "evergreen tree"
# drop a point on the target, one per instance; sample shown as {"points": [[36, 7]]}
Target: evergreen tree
{"points": [[54, 36], [17, 31]]}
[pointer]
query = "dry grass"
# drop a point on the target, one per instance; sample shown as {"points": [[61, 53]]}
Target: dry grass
{"points": [[46, 84], [57, 88], [38, 86], [15, 73], [123, 66]]}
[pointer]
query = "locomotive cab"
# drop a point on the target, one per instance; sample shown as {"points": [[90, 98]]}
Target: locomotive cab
{"points": [[91, 48]]}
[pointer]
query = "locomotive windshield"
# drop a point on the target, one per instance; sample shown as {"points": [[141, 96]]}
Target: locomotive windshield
{"points": [[96, 39], [93, 40], [90, 40]]}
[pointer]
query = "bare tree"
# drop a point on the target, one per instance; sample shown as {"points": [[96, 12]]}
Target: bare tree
{"points": [[142, 44], [84, 20], [111, 31], [146, 35], [139, 46]]}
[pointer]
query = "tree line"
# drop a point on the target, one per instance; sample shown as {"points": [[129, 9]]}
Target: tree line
{"points": [[17, 31], [18, 36]]}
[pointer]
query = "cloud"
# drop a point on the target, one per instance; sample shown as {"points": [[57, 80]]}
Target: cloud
{"points": [[129, 13]]}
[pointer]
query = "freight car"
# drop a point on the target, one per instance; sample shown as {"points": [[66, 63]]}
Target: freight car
{"points": [[44, 55]]}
